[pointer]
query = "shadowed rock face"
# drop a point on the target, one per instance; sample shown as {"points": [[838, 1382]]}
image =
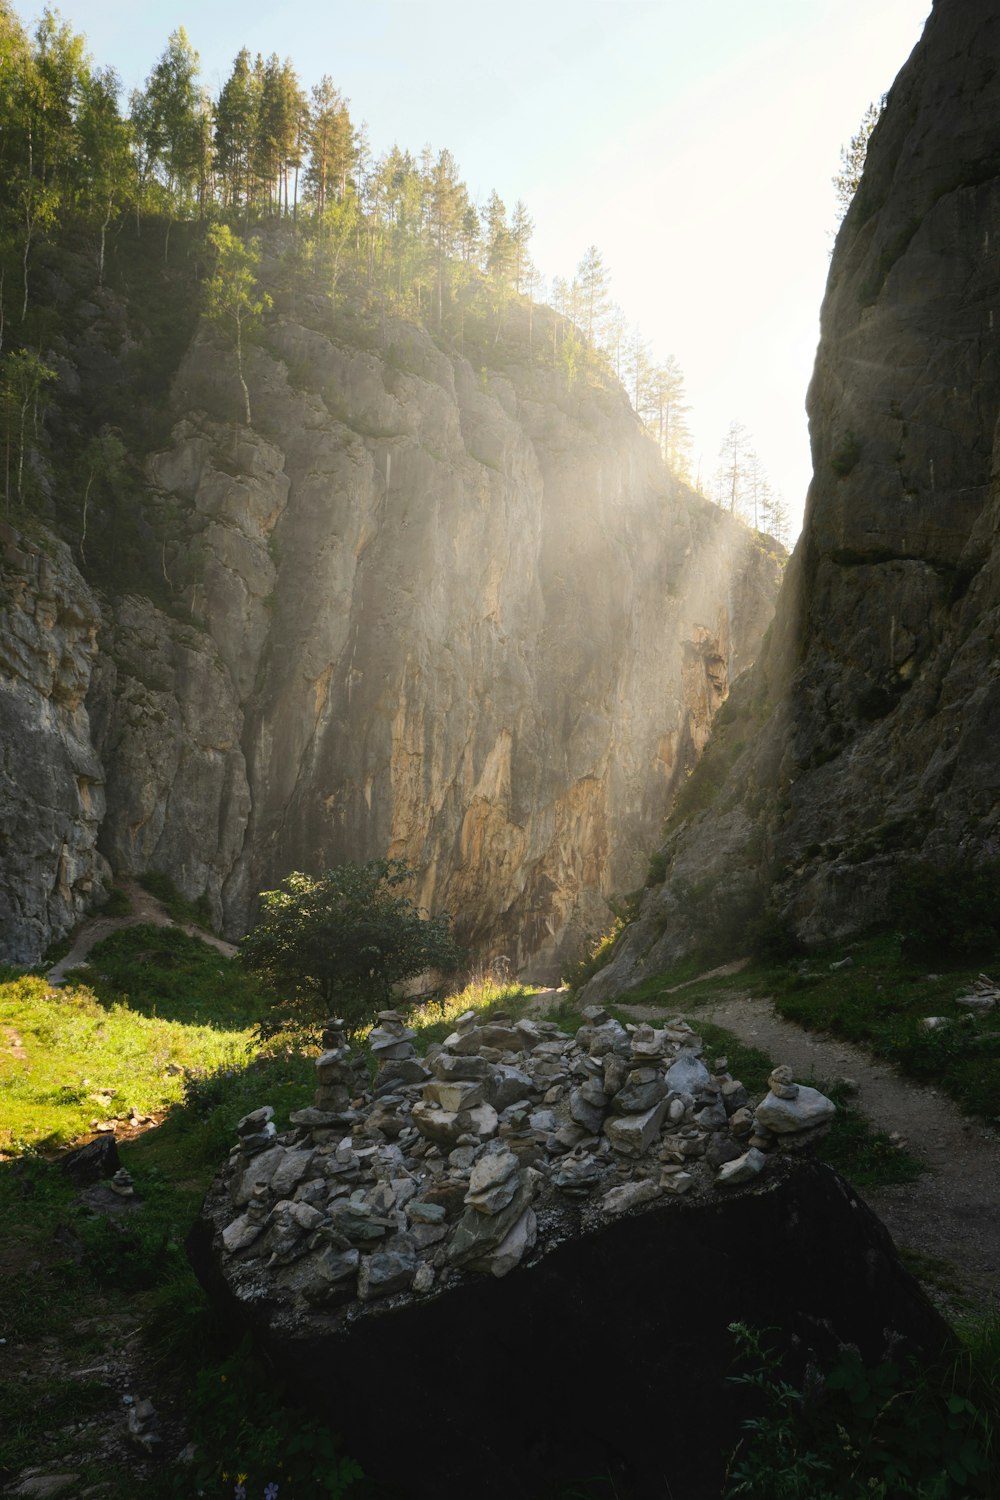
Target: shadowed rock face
{"points": [[51, 780], [465, 618], [872, 718]]}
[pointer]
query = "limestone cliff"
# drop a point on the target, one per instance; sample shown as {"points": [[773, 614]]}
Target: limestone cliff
{"points": [[458, 615], [51, 780], [866, 736]]}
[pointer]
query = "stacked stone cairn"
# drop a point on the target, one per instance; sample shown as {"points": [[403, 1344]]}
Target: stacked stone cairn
{"points": [[507, 1139]]}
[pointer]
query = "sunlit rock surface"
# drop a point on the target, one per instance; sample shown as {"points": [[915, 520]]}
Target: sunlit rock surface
{"points": [[459, 616], [878, 694]]}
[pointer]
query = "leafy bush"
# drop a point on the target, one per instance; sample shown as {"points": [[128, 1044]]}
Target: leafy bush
{"points": [[951, 910], [343, 941], [891, 1430], [771, 938], [245, 1435], [196, 913], [117, 904]]}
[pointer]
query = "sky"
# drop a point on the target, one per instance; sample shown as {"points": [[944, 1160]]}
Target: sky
{"points": [[692, 141]]}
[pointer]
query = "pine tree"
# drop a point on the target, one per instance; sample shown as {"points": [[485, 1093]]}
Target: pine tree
{"points": [[168, 120], [522, 227], [731, 476], [667, 412], [852, 159], [236, 118], [332, 144], [593, 280], [446, 197]]}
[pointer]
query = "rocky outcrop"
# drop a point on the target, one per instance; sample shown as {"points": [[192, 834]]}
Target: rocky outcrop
{"points": [[461, 617], [51, 779], [503, 1201], [866, 736]]}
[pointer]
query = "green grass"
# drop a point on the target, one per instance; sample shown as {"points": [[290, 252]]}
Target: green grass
{"points": [[75, 1280], [193, 913], [879, 1002], [91, 1061], [165, 973], [435, 1020]]}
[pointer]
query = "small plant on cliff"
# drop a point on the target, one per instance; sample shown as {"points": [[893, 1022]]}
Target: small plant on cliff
{"points": [[232, 299], [343, 941]]}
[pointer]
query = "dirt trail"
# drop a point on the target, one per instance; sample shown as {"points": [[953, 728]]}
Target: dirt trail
{"points": [[145, 908], [952, 1212]]}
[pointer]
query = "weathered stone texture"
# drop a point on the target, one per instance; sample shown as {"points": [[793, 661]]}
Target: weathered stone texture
{"points": [[463, 618], [51, 780]]}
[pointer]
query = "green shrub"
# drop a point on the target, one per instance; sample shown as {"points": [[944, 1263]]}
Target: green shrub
{"points": [[340, 943], [117, 904], [771, 938], [950, 911], [890, 1431], [196, 913], [598, 957], [245, 1435]]}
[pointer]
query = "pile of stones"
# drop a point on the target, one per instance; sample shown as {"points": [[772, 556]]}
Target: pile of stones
{"points": [[501, 1143]]}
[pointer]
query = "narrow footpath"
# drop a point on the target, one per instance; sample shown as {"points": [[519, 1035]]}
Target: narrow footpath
{"points": [[144, 908], [951, 1212]]}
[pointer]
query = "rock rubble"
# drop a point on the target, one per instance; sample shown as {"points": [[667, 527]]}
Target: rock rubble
{"points": [[509, 1138]]}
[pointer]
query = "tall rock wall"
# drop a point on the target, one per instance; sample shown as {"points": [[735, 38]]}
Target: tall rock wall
{"points": [[866, 737], [51, 780], [459, 616]]}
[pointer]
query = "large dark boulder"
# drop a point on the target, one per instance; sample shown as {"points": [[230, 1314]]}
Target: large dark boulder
{"points": [[608, 1355]]}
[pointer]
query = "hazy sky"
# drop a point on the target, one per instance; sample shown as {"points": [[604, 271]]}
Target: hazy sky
{"points": [[692, 141]]}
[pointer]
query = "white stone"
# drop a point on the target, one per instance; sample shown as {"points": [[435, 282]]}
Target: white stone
{"points": [[239, 1234], [744, 1169], [492, 1168], [424, 1278], [629, 1195], [632, 1134], [515, 1245], [485, 1121], [688, 1074], [808, 1109]]}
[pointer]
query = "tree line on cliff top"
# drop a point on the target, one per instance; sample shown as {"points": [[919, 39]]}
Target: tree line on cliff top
{"points": [[76, 166]]}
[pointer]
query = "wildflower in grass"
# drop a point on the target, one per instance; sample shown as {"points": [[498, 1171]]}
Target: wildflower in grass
{"points": [[271, 1491], [240, 1492]]}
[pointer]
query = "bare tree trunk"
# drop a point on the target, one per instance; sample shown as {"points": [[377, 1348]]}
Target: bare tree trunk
{"points": [[239, 366], [86, 498]]}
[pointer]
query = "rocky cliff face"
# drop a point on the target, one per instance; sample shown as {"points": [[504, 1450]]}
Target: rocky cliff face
{"points": [[463, 617], [51, 779], [867, 735]]}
